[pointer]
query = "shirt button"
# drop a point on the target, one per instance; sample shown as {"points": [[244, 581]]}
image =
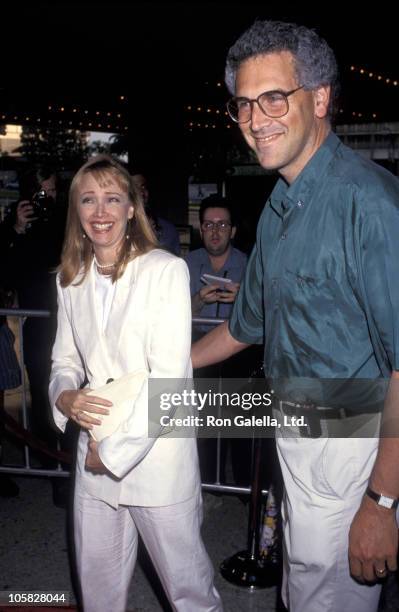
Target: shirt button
{"points": [[299, 203], [283, 236]]}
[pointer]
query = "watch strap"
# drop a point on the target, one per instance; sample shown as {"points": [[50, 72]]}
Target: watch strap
{"points": [[382, 500]]}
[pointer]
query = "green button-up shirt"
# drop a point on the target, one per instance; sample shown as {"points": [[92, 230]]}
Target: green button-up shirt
{"points": [[321, 289]]}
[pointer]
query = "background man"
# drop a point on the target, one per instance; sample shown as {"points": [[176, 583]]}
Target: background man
{"points": [[217, 257], [166, 232], [31, 236], [321, 291]]}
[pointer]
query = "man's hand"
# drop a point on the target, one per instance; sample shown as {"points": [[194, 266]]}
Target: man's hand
{"points": [[373, 542], [24, 216], [228, 296], [209, 294], [206, 295], [213, 293], [93, 461]]}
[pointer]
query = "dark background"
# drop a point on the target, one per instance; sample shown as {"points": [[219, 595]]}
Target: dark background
{"points": [[132, 45], [166, 56]]}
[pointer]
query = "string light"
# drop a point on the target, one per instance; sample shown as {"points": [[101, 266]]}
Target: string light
{"points": [[73, 111], [373, 75], [207, 112]]}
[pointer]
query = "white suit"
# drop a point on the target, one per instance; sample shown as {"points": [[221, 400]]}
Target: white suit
{"points": [[148, 327]]}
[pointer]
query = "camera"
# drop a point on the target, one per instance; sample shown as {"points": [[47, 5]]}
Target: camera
{"points": [[43, 205]]}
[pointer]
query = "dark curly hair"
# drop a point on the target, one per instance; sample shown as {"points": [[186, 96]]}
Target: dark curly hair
{"points": [[315, 62]]}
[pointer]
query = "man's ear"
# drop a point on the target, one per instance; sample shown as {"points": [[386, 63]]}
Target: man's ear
{"points": [[321, 97], [233, 232]]}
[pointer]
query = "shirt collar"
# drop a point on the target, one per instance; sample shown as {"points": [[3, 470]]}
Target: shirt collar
{"points": [[301, 190], [228, 263]]}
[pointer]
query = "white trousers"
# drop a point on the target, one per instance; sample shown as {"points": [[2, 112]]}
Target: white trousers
{"points": [[106, 549], [324, 480]]}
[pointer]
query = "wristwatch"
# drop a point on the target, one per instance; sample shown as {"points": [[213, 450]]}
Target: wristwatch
{"points": [[382, 500]]}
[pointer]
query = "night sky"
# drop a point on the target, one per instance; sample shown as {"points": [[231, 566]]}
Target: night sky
{"points": [[92, 49]]}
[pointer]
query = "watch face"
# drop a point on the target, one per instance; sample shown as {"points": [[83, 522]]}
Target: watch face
{"points": [[387, 502]]}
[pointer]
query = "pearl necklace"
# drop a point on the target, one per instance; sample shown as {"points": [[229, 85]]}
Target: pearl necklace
{"points": [[103, 266]]}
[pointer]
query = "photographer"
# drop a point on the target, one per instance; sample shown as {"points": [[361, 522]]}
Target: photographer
{"points": [[31, 236]]}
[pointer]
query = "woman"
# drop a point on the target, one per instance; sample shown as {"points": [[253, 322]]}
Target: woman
{"points": [[124, 305]]}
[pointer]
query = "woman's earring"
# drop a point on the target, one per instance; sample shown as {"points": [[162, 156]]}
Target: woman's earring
{"points": [[84, 236], [127, 228]]}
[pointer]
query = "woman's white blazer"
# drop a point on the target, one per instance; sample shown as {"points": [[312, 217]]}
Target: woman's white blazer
{"points": [[149, 326]]}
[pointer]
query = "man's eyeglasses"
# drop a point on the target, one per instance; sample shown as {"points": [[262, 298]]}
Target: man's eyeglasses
{"points": [[220, 226], [273, 104]]}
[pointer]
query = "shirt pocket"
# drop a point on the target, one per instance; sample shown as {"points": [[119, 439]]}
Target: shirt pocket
{"points": [[316, 327], [315, 294]]}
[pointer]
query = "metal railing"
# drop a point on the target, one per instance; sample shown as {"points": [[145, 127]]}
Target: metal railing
{"points": [[27, 468]]}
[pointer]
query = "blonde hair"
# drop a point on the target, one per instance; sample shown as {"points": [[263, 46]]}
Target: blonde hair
{"points": [[77, 252]]}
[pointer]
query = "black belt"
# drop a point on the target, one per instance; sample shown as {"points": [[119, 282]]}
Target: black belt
{"points": [[314, 414]]}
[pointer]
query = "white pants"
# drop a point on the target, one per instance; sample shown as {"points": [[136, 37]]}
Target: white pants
{"points": [[324, 480], [106, 550]]}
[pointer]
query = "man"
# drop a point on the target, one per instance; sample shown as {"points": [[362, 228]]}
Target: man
{"points": [[217, 257], [321, 291], [166, 232], [220, 259]]}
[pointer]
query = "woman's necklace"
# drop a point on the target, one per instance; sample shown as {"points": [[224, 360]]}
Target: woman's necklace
{"points": [[103, 266]]}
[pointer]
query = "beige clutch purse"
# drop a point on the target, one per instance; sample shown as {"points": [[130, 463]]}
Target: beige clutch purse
{"points": [[122, 393]]}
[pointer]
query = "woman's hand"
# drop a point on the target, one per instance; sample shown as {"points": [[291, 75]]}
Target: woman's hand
{"points": [[93, 461], [76, 404]]}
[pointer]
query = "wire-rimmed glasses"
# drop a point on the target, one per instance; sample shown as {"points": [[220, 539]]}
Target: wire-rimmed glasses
{"points": [[220, 226]]}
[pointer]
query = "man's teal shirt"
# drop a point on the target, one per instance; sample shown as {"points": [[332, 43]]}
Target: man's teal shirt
{"points": [[321, 289]]}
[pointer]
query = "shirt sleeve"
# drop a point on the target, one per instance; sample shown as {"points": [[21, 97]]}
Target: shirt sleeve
{"points": [[246, 320], [168, 357], [378, 261]]}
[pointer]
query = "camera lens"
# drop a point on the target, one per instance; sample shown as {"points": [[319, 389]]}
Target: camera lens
{"points": [[42, 205]]}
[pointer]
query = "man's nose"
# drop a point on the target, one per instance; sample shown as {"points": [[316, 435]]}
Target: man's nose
{"points": [[258, 117]]}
